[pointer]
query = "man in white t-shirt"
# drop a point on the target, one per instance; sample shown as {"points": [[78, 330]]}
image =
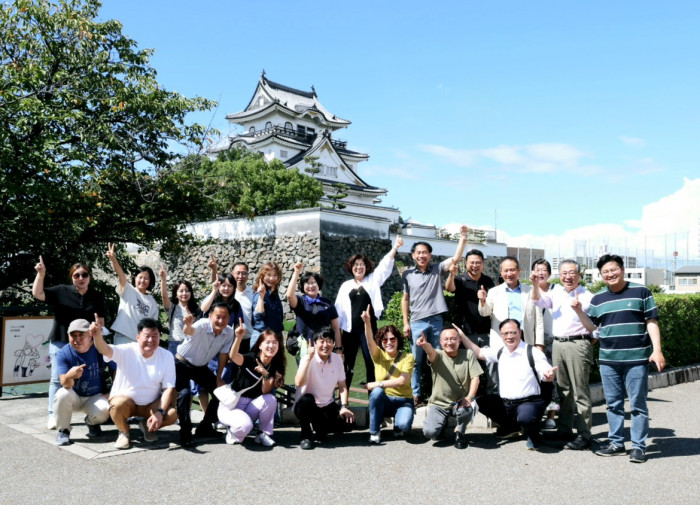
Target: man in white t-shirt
{"points": [[144, 385]]}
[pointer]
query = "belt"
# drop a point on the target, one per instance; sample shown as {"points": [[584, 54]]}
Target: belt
{"points": [[518, 401], [572, 338], [181, 359]]}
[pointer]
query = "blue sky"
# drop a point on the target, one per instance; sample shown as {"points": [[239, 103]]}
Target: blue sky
{"points": [[566, 120]]}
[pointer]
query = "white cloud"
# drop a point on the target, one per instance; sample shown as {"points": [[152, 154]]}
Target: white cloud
{"points": [[544, 157], [633, 141], [671, 223]]}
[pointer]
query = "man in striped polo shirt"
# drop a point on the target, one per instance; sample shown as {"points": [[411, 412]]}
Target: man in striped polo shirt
{"points": [[629, 340]]}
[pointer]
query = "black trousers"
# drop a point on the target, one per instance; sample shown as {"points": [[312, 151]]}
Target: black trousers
{"points": [[322, 420], [201, 375], [514, 414]]}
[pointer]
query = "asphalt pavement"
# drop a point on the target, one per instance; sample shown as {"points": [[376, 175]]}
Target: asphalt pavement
{"points": [[347, 469]]}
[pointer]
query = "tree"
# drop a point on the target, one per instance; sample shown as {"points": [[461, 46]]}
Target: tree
{"points": [[250, 186], [89, 141]]}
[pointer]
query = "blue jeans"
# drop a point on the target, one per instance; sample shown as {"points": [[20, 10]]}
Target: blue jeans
{"points": [[617, 379], [55, 382], [431, 327], [382, 405]]}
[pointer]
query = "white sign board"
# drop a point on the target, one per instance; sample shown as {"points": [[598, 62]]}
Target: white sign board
{"points": [[25, 350]]}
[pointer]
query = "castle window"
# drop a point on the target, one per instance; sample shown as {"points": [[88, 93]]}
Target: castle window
{"points": [[251, 129], [283, 154], [268, 125], [288, 126]]}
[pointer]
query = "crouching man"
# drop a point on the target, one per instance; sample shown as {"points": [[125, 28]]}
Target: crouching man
{"points": [[519, 402], [82, 373], [320, 371], [144, 385], [455, 382]]}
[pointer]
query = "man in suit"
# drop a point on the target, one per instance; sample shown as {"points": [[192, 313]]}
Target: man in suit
{"points": [[511, 300]]}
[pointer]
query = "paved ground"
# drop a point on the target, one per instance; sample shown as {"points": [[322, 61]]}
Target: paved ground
{"points": [[347, 470]]}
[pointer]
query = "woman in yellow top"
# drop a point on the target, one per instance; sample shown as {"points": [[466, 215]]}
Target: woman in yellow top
{"points": [[391, 394]]}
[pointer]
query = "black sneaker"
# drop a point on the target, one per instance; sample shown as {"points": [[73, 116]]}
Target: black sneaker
{"points": [[307, 444], [460, 441], [94, 431], [578, 444], [637, 455], [611, 450], [207, 432]]}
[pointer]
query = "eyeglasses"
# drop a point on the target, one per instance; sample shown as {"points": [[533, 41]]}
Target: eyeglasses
{"points": [[388, 339], [240, 274], [78, 275], [612, 271]]}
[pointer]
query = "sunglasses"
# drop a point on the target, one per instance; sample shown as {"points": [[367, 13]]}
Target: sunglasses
{"points": [[389, 339], [84, 275]]}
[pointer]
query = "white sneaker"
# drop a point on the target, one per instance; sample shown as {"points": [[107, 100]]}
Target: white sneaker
{"points": [[230, 439], [375, 439], [220, 426], [51, 424], [264, 439], [123, 441], [148, 436]]}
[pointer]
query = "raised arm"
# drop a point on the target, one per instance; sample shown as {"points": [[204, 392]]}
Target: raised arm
{"points": [[212, 265], [427, 347], [300, 378], [450, 282], [164, 288], [96, 332], [292, 287], [188, 321], [38, 286], [234, 353], [535, 293], [121, 276], [585, 320], [369, 334], [463, 232], [207, 302], [468, 344]]}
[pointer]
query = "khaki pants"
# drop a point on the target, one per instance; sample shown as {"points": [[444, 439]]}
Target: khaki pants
{"points": [[574, 360], [122, 408]]}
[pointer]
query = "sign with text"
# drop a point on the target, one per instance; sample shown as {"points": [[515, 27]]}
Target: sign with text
{"points": [[25, 350]]}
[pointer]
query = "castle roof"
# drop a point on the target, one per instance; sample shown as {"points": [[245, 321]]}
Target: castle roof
{"points": [[270, 97]]}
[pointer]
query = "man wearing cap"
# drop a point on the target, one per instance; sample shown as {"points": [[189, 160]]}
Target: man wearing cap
{"points": [[144, 385], [82, 374]]}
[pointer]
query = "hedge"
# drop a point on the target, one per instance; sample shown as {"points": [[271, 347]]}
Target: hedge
{"points": [[679, 321]]}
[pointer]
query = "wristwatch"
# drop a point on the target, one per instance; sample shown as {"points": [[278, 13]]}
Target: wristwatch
{"points": [[345, 406], [162, 412], [338, 348]]}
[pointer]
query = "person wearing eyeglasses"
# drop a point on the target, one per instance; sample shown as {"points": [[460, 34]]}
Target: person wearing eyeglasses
{"points": [[391, 395], [69, 302], [630, 339], [519, 402], [455, 382]]}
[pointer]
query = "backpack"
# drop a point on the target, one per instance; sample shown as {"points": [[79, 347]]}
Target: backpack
{"points": [[546, 388]]}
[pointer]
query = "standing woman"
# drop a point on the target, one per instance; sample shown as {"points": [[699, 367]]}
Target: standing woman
{"points": [[267, 306], [181, 299], [392, 394], [135, 302], [69, 301], [313, 311], [354, 295], [261, 370]]}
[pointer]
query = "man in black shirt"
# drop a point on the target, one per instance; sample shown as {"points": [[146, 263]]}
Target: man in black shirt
{"points": [[466, 310]]}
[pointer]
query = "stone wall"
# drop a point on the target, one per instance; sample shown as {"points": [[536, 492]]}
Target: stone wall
{"points": [[324, 253]]}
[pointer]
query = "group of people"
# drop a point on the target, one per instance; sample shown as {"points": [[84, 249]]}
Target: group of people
{"points": [[509, 343]]}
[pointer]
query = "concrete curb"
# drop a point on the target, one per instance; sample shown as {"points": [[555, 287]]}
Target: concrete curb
{"points": [[689, 373]]}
